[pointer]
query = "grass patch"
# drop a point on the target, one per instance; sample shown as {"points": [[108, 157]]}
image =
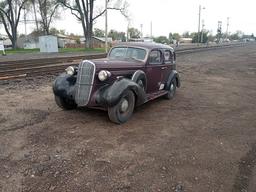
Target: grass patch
{"points": [[19, 51], [61, 50], [70, 50]]}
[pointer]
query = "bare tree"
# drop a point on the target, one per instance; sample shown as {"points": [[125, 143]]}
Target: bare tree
{"points": [[47, 10], [10, 11], [33, 3], [84, 11]]}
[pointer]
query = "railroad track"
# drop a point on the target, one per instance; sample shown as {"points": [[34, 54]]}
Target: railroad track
{"points": [[37, 67]]}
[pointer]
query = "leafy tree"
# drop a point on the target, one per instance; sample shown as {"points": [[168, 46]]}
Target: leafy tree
{"points": [[99, 33], [195, 37], [10, 16], [37, 32], [186, 34], [236, 36], [170, 37], [162, 39], [211, 38], [115, 35], [176, 36], [84, 11], [47, 11], [54, 31], [134, 33]]}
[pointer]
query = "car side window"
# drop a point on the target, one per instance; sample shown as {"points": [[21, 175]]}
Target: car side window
{"points": [[168, 56], [155, 57]]}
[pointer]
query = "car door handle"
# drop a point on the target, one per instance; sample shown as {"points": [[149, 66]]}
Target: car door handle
{"points": [[163, 67]]}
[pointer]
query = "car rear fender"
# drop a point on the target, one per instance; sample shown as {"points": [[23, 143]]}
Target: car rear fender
{"points": [[110, 95]]}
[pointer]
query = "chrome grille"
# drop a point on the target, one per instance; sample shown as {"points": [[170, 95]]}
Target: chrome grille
{"points": [[84, 83]]}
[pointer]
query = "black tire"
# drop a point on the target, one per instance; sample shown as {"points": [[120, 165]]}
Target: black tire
{"points": [[65, 103], [171, 90], [119, 115]]}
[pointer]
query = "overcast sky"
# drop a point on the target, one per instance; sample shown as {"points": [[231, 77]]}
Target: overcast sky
{"points": [[172, 16]]}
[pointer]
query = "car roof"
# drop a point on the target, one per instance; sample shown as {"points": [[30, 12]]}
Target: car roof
{"points": [[147, 45]]}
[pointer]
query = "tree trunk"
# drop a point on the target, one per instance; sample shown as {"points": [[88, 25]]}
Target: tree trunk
{"points": [[34, 7], [89, 42], [14, 37], [84, 30], [14, 42]]}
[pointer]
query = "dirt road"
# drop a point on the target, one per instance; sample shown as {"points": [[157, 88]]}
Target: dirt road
{"points": [[203, 140]]}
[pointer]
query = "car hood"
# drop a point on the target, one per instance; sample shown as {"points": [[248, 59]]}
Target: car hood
{"points": [[111, 64]]}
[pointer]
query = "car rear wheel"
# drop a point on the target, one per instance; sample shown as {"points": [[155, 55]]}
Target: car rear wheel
{"points": [[172, 90], [122, 111], [65, 103]]}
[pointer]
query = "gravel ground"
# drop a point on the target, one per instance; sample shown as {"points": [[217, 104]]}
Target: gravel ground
{"points": [[203, 140]]}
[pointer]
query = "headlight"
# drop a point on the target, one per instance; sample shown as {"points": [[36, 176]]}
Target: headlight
{"points": [[103, 75], [70, 70]]}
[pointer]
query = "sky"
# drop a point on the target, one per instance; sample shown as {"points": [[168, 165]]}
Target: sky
{"points": [[170, 16]]}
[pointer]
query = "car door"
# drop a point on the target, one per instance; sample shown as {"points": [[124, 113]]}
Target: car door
{"points": [[155, 70], [169, 63]]}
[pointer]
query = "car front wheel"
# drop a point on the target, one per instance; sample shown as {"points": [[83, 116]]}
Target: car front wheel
{"points": [[122, 111], [171, 90], [65, 103]]}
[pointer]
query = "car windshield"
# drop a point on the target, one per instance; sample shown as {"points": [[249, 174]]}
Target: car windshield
{"points": [[127, 53]]}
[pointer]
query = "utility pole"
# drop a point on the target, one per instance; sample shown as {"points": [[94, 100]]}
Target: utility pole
{"points": [[151, 30], [127, 35], [227, 28], [141, 26], [202, 32], [106, 26], [199, 20], [219, 31]]}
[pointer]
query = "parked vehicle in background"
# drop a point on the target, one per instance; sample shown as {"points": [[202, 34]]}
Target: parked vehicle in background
{"points": [[132, 74]]}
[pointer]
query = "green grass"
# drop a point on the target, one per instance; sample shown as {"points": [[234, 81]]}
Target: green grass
{"points": [[70, 50], [61, 50], [19, 51]]}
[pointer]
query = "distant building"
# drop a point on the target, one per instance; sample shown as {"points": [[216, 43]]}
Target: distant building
{"points": [[148, 39], [136, 40], [31, 41], [98, 42], [28, 42], [64, 40], [6, 41], [185, 40], [144, 39]]}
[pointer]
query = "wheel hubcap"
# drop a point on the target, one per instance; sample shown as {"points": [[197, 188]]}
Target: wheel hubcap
{"points": [[124, 106], [172, 87]]}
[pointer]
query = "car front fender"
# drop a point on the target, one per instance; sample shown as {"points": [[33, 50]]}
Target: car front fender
{"points": [[110, 95], [172, 75], [64, 86]]}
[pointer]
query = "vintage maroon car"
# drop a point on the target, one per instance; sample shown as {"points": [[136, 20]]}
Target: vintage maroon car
{"points": [[132, 74]]}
